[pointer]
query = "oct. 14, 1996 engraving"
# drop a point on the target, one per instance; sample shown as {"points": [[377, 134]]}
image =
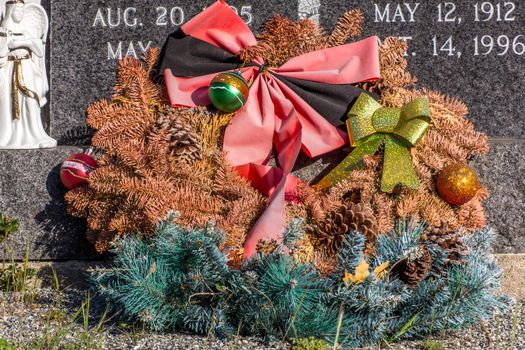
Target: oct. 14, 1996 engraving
{"points": [[451, 14]]}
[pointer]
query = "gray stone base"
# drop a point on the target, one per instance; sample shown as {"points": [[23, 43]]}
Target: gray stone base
{"points": [[513, 266], [70, 274], [503, 172], [30, 190]]}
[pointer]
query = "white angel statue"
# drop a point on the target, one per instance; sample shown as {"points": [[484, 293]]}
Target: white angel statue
{"points": [[23, 79]]}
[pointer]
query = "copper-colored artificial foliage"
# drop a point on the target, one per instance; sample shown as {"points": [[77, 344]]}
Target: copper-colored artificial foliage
{"points": [[450, 139], [283, 38], [266, 247], [156, 159]]}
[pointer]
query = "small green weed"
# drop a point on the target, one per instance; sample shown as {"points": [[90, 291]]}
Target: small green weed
{"points": [[433, 345], [7, 227], [310, 344], [135, 331], [55, 315], [88, 338], [5, 345], [15, 277]]}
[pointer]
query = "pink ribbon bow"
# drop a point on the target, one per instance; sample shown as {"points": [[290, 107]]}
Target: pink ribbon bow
{"points": [[274, 114]]}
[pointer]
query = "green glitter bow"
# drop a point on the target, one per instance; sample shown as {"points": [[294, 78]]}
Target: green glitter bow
{"points": [[371, 125]]}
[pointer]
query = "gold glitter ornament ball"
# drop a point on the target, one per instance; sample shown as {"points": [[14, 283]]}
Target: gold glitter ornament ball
{"points": [[457, 184]]}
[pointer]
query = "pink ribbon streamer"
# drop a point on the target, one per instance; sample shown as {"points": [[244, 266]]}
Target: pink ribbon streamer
{"points": [[273, 114]]}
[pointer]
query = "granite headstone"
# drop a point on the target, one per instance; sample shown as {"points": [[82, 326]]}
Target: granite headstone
{"points": [[89, 37], [460, 47], [473, 50]]}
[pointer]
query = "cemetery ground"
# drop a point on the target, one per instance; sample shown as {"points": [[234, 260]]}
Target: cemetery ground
{"points": [[49, 306]]}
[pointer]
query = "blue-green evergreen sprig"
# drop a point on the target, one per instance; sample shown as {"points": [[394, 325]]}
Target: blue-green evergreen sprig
{"points": [[180, 280]]}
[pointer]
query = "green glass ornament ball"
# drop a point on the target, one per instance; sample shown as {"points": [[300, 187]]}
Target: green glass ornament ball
{"points": [[228, 92]]}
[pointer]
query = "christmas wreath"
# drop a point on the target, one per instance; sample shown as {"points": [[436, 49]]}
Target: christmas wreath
{"points": [[210, 235]]}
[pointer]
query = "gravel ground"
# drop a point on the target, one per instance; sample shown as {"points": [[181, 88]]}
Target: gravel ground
{"points": [[45, 321]]}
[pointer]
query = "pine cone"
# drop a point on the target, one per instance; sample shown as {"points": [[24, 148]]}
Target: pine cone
{"points": [[266, 247], [330, 233], [184, 144], [415, 267], [434, 231], [450, 241], [453, 245]]}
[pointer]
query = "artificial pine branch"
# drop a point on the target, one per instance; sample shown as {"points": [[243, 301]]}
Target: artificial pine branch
{"points": [[157, 159], [180, 279], [283, 39], [347, 27], [451, 138]]}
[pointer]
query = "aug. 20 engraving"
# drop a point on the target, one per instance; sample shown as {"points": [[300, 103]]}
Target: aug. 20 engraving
{"points": [[130, 17]]}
